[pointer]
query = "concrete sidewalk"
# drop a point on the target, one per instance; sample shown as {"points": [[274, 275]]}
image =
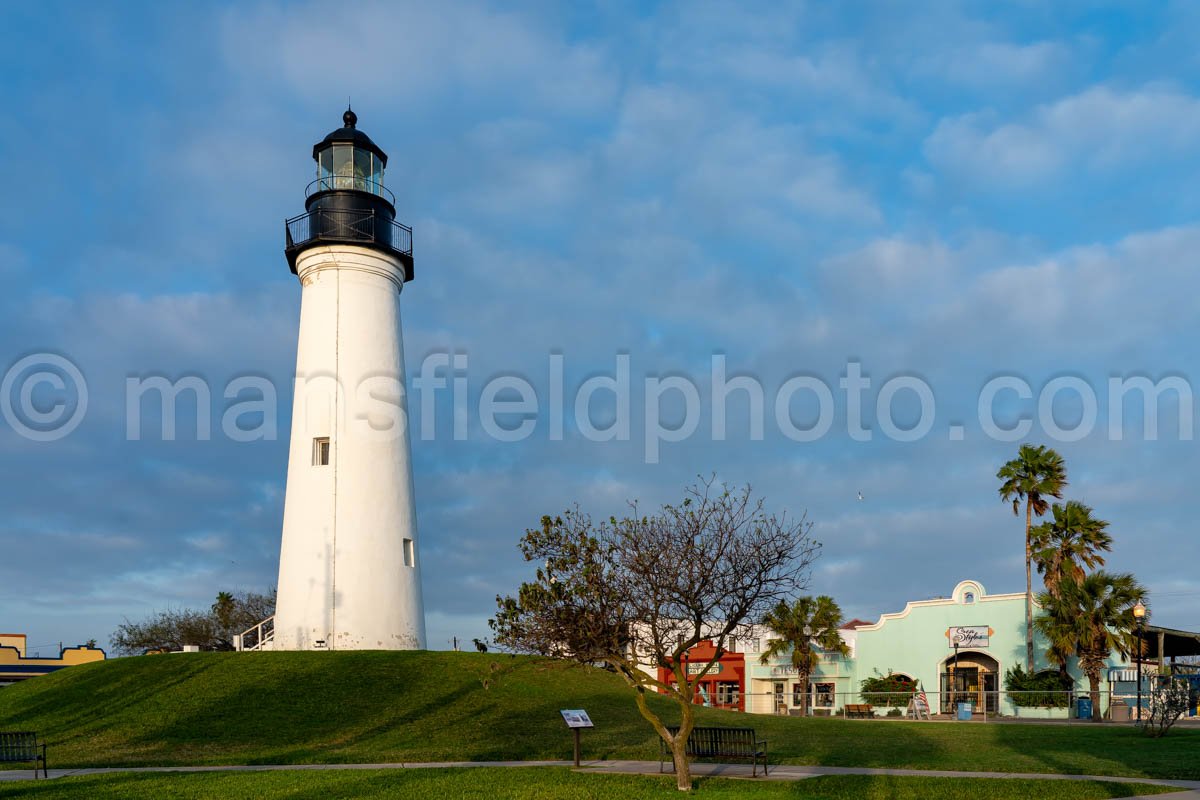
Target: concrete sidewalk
{"points": [[1189, 790]]}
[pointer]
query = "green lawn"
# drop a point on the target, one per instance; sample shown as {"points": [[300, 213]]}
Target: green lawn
{"points": [[374, 707], [544, 783]]}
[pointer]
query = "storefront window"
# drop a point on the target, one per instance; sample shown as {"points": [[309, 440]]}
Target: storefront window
{"points": [[823, 695], [797, 694]]}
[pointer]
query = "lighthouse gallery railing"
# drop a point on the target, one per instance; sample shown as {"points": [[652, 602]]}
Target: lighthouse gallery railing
{"points": [[342, 225]]}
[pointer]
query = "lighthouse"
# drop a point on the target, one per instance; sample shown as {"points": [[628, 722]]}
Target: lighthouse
{"points": [[349, 566]]}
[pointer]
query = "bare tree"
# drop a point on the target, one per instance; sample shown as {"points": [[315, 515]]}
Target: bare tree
{"points": [[212, 629], [1169, 700], [635, 594]]}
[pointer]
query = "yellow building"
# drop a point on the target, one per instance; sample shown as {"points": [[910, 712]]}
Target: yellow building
{"points": [[14, 666]]}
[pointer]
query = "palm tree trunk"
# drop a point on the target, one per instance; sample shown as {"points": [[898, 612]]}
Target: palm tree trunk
{"points": [[1028, 589], [803, 676], [1094, 686]]}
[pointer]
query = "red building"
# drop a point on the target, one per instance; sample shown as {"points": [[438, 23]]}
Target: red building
{"points": [[725, 684]]}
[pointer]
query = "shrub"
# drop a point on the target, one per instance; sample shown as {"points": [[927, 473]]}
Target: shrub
{"points": [[888, 690], [1045, 689]]}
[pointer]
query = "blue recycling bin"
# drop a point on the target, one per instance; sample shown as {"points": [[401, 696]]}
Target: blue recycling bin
{"points": [[965, 710], [1083, 708]]}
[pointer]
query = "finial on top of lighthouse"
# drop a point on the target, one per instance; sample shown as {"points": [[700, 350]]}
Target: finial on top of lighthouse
{"points": [[349, 118]]}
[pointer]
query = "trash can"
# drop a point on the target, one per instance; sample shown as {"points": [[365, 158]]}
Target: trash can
{"points": [[965, 710], [1083, 707]]}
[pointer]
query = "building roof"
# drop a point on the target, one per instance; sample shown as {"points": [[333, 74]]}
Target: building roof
{"points": [[1175, 643], [853, 624]]}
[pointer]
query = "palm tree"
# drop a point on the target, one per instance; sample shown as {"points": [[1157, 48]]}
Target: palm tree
{"points": [[1069, 544], [1034, 475], [804, 626], [1092, 617], [223, 610]]}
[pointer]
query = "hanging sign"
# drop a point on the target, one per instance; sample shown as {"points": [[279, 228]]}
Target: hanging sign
{"points": [[969, 636]]}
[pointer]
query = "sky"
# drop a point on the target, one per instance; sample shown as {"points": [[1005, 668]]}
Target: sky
{"points": [[988, 213]]}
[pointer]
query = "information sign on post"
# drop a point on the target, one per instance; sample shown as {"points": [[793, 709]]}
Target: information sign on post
{"points": [[577, 719]]}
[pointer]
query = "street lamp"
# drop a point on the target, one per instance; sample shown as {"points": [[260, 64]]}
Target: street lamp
{"points": [[1139, 615]]}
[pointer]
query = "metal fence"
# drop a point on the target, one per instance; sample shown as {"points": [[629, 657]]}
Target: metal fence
{"points": [[966, 706]]}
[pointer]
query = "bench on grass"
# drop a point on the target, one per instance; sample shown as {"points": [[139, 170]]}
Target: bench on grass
{"points": [[22, 747], [864, 710], [731, 743]]}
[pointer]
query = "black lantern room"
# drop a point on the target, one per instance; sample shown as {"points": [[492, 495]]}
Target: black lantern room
{"points": [[348, 203]]}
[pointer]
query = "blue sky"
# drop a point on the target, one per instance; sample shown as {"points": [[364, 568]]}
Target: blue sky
{"points": [[955, 194]]}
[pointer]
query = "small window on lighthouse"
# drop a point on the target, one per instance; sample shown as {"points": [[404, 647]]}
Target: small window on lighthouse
{"points": [[410, 555], [321, 452]]}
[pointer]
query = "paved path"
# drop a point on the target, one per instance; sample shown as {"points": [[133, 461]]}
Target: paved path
{"points": [[1189, 790]]}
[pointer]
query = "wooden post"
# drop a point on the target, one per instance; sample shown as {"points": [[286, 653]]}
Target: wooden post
{"points": [[576, 730]]}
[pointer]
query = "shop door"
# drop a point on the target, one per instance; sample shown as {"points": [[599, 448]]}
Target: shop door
{"points": [[960, 686]]}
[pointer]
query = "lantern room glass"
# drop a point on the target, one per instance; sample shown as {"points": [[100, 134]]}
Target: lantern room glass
{"points": [[362, 170], [325, 169], [376, 174], [343, 166]]}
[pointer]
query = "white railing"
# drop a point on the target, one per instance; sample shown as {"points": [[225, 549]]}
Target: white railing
{"points": [[975, 704], [256, 638]]}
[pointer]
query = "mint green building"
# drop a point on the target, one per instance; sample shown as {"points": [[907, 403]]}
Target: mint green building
{"points": [[958, 649]]}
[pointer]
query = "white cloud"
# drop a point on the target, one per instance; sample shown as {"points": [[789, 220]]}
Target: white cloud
{"points": [[416, 52], [1100, 129], [992, 64], [725, 165]]}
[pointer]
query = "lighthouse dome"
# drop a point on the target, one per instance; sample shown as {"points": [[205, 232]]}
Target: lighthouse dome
{"points": [[349, 134]]}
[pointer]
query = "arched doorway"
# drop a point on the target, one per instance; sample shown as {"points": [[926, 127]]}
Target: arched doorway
{"points": [[970, 677]]}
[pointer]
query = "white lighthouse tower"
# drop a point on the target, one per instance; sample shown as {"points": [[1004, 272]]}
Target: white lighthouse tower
{"points": [[349, 572]]}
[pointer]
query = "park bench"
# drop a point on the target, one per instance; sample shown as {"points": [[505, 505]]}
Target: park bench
{"points": [[22, 747], [732, 743], [864, 710]]}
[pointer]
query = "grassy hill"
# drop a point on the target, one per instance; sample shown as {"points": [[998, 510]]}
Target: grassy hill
{"points": [[371, 707], [295, 708]]}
